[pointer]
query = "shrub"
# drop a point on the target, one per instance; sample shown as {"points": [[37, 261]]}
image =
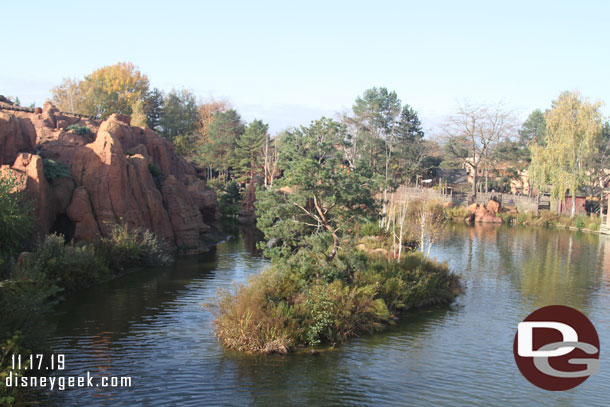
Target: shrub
{"points": [[157, 175], [131, 247], [68, 266], [80, 130], [370, 229], [248, 321], [507, 218], [595, 223], [456, 213], [546, 218], [16, 222], [579, 222], [229, 199], [22, 328], [53, 170], [302, 301]]}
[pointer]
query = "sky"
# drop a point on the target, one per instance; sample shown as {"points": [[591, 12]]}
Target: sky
{"points": [[288, 63]]}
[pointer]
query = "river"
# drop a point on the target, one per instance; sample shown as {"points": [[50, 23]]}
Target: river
{"points": [[150, 325]]}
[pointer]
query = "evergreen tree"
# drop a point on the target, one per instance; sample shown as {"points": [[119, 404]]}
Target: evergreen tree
{"points": [[153, 108], [248, 156], [326, 197], [223, 132]]}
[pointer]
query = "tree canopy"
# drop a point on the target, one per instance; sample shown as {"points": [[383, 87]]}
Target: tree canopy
{"points": [[318, 195], [573, 130]]}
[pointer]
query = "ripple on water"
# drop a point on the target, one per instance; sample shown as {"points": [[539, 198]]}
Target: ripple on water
{"points": [[150, 325]]}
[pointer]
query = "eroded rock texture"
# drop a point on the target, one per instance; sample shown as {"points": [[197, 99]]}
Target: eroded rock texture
{"points": [[119, 174]]}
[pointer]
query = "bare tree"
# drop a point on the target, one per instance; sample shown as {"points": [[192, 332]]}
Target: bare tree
{"points": [[473, 133], [271, 158], [427, 223]]}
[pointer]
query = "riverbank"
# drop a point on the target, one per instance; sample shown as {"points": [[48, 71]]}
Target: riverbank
{"points": [[590, 224], [55, 269]]}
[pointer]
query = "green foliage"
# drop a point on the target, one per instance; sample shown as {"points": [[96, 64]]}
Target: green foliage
{"points": [[229, 198], [573, 132], [153, 108], [80, 130], [24, 305], [370, 229], [68, 266], [533, 129], [75, 265], [16, 221], [130, 247], [53, 169], [247, 158], [300, 302], [179, 116], [319, 195], [222, 135], [386, 137], [456, 213], [157, 175]]}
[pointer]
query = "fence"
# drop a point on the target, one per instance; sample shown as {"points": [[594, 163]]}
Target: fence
{"points": [[31, 110], [522, 203]]}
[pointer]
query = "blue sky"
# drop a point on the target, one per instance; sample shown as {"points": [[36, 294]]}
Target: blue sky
{"points": [[289, 63]]}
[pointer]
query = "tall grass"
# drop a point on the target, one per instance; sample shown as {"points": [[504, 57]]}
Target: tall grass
{"points": [[291, 305]]}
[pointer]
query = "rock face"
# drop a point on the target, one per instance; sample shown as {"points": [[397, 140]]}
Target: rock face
{"points": [[119, 175], [484, 213]]}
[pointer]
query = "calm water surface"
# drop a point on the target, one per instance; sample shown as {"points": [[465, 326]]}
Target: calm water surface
{"points": [[150, 325]]}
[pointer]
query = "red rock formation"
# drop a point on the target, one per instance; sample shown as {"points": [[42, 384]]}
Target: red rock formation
{"points": [[112, 176], [487, 214]]}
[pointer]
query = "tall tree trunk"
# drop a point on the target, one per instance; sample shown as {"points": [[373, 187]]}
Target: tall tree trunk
{"points": [[573, 202], [474, 181]]}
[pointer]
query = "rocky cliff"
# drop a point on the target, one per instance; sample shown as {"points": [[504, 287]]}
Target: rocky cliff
{"points": [[114, 174]]}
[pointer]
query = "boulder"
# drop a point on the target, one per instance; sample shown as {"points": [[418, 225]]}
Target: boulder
{"points": [[472, 208], [493, 206], [484, 215]]}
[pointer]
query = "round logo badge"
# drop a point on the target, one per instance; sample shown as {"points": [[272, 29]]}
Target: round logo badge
{"points": [[556, 348]]}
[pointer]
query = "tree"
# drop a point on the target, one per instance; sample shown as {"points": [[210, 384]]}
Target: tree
{"points": [[474, 132], [319, 194], [375, 116], [410, 147], [533, 129], [573, 131], [224, 131], [601, 159], [179, 116], [206, 114], [248, 156], [138, 115], [153, 108], [68, 96], [113, 89], [271, 157]]}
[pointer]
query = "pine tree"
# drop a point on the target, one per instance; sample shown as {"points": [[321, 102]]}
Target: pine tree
{"points": [[248, 156]]}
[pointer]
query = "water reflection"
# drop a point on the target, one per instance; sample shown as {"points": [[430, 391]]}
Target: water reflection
{"points": [[150, 325]]}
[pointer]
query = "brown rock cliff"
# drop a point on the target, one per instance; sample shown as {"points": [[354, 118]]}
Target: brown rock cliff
{"points": [[120, 174]]}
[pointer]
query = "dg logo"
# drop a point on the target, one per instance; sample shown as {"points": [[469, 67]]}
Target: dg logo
{"points": [[556, 348]]}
